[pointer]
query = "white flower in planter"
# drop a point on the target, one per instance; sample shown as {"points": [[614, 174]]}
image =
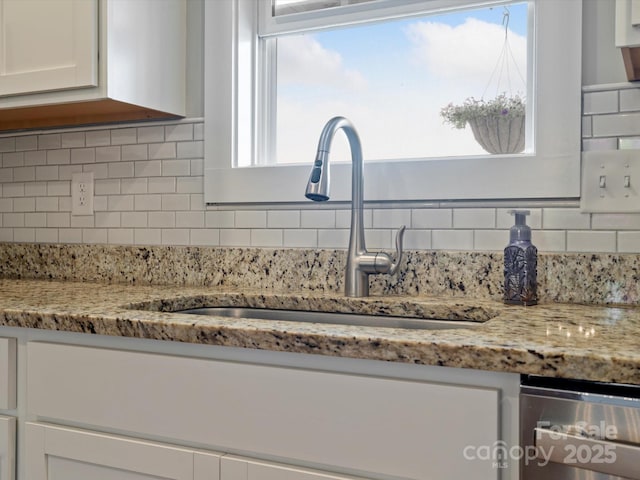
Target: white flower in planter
{"points": [[498, 125]]}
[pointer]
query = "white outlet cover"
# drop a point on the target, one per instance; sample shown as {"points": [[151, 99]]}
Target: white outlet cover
{"points": [[82, 193], [619, 173]]}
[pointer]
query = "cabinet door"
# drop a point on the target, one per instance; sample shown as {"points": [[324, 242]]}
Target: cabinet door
{"points": [[7, 448], [58, 453], [238, 468], [47, 45]]}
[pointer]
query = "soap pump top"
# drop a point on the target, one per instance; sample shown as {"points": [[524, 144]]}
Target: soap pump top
{"points": [[520, 232]]}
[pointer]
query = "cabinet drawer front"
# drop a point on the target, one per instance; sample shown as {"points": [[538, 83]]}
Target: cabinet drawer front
{"points": [[393, 427], [7, 373], [7, 447]]}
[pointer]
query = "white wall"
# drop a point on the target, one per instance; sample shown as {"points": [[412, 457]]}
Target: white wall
{"points": [[149, 182]]}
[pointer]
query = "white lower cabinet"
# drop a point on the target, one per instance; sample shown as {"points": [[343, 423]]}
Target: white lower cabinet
{"points": [[59, 453], [7, 447], [238, 468]]}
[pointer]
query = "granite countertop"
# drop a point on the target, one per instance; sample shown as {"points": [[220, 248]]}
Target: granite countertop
{"points": [[598, 343]]}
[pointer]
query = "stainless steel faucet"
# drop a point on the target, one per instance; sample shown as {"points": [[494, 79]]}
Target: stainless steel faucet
{"points": [[360, 263]]}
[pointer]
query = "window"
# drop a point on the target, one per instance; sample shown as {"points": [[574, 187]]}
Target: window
{"points": [[268, 98]]}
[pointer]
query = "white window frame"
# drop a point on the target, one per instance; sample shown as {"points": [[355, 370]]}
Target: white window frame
{"points": [[232, 126]]}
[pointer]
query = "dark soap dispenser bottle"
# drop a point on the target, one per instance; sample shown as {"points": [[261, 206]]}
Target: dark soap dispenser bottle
{"points": [[520, 263]]}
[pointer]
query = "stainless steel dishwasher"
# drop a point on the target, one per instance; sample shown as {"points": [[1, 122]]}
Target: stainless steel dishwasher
{"points": [[578, 430]]}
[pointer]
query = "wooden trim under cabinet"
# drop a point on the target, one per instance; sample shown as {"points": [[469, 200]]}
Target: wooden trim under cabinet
{"points": [[74, 114], [631, 58]]}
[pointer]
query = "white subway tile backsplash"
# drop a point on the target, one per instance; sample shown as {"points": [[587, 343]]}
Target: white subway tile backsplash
{"points": [[504, 219], [629, 143], [491, 240], [600, 102], [432, 218], [124, 136], [162, 185], [26, 235], [59, 157], [47, 204], [35, 189], [333, 238], [134, 152], [174, 133], [147, 202], [6, 234], [38, 157], [417, 240], [190, 219], [452, 239], [134, 220], [615, 221], [176, 168], [220, 219], [301, 238], [107, 187], [120, 170], [190, 149], [13, 190], [100, 170], [107, 154], [134, 185], [95, 235], [24, 204], [343, 218], [197, 201], [162, 219], [14, 159], [46, 235], [120, 203], [83, 155], [175, 236], [120, 236], [72, 140], [13, 219], [197, 167], [24, 174], [97, 138], [591, 241], [586, 127], [283, 219], [251, 219], [147, 236], [49, 141], [58, 188], [6, 206], [630, 99], [379, 238], [235, 237], [26, 142], [391, 218], [593, 144], [616, 125], [60, 220], [151, 134], [318, 218], [35, 219], [629, 242], [47, 173], [7, 144], [190, 185], [205, 237], [82, 221], [565, 218], [162, 150], [263, 237], [6, 175], [178, 201], [198, 131], [474, 218], [149, 168], [65, 172], [64, 204], [70, 235]]}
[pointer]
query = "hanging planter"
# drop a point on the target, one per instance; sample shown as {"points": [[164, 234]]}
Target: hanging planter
{"points": [[498, 125]]}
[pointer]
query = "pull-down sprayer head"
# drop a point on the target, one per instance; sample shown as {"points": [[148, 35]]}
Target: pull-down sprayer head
{"points": [[318, 184]]}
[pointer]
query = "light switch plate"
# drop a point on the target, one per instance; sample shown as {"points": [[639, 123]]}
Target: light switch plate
{"points": [[610, 181]]}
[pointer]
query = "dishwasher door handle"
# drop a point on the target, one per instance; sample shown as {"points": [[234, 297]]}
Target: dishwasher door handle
{"points": [[604, 456]]}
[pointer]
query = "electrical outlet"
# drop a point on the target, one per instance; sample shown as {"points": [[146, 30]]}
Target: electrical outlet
{"points": [[82, 194], [610, 181]]}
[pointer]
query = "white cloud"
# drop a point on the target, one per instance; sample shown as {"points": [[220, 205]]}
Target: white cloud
{"points": [[469, 53], [303, 60]]}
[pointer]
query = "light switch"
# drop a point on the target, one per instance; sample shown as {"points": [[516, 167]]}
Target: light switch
{"points": [[609, 181]]}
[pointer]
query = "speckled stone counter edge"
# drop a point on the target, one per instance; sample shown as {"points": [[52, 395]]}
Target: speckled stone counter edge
{"points": [[566, 277]]}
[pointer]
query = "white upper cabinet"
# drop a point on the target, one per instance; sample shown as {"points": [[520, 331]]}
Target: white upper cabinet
{"points": [[74, 62], [48, 45]]}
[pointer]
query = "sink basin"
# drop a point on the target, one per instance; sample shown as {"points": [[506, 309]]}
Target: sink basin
{"points": [[331, 318]]}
